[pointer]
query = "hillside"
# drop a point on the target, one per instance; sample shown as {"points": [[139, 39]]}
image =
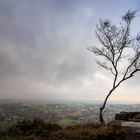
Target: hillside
{"points": [[41, 130], [71, 121]]}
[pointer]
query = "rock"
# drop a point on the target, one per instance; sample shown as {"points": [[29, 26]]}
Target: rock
{"points": [[131, 124], [128, 116]]}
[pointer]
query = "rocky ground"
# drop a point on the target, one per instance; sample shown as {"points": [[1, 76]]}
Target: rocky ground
{"points": [[132, 137], [133, 129]]}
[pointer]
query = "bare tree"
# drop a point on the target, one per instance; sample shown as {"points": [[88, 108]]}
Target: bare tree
{"points": [[117, 48]]}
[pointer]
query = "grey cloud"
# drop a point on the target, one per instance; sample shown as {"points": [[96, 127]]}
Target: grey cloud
{"points": [[45, 42]]}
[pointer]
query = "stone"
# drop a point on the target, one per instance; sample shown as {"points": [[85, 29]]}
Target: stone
{"points": [[128, 116]]}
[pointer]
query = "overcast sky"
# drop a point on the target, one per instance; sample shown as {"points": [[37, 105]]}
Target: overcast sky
{"points": [[43, 51]]}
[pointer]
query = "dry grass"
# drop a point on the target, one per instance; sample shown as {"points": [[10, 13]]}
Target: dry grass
{"points": [[40, 130]]}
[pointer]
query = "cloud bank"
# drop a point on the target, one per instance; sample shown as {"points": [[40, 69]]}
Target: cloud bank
{"points": [[43, 50]]}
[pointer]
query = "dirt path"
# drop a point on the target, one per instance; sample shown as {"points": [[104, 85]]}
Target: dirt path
{"points": [[132, 137], [134, 130]]}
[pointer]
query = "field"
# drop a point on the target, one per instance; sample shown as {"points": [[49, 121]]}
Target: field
{"points": [[62, 113]]}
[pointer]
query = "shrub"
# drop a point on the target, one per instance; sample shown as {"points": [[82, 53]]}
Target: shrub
{"points": [[28, 130], [90, 132], [41, 130]]}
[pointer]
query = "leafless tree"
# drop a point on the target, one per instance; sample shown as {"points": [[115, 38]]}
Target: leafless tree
{"points": [[117, 48]]}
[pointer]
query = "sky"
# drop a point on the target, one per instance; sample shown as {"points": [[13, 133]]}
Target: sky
{"points": [[43, 50]]}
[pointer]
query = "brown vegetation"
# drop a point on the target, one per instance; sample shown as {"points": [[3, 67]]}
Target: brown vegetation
{"points": [[41, 130]]}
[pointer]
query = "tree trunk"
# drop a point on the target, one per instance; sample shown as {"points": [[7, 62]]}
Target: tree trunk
{"points": [[104, 104], [101, 115]]}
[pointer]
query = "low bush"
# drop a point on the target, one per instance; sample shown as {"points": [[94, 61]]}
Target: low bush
{"points": [[90, 132], [41, 130]]}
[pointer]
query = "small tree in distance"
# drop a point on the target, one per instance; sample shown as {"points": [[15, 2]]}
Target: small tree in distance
{"points": [[117, 48]]}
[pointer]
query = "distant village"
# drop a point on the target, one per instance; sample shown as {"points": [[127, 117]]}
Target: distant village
{"points": [[65, 114]]}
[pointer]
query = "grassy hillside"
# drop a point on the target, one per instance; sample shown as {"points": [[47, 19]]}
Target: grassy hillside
{"points": [[41, 130]]}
